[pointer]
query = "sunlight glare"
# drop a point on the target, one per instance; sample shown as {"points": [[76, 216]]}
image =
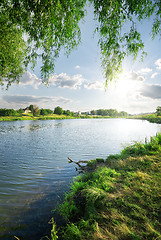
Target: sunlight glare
{"points": [[125, 85]]}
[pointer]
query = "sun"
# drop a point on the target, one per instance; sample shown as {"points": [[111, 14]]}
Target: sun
{"points": [[125, 84]]}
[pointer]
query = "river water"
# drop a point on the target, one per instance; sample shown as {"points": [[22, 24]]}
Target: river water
{"points": [[34, 169]]}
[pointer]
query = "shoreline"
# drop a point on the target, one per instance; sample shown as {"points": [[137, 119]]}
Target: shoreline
{"points": [[51, 117], [153, 118], [116, 198]]}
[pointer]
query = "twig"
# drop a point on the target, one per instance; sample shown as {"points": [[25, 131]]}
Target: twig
{"points": [[82, 168]]}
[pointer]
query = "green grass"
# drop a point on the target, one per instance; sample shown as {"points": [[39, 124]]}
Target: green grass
{"points": [[31, 117], [149, 117], [120, 199]]}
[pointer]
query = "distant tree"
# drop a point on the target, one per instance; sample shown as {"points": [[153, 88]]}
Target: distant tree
{"points": [[36, 110], [45, 112], [83, 113], [58, 110], [20, 111], [68, 113], [99, 112], [109, 112], [7, 112], [49, 111], [31, 107], [123, 114], [158, 111], [93, 112], [106, 112], [113, 112]]}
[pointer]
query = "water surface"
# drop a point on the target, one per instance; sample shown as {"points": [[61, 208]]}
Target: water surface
{"points": [[34, 169]]}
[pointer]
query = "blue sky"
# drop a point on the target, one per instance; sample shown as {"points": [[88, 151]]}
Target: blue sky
{"points": [[78, 82]]}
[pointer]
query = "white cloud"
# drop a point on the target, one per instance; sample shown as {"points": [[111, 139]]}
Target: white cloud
{"points": [[65, 81], [158, 63], [25, 100], [95, 85], [145, 70], [62, 80], [151, 91], [134, 76], [30, 79], [77, 67], [154, 75]]}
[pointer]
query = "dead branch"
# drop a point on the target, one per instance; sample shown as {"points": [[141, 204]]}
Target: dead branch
{"points": [[82, 168]]}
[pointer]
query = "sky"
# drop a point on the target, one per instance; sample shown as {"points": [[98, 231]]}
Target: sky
{"points": [[78, 82]]}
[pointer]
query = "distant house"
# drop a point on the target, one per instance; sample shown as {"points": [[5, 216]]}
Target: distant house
{"points": [[79, 113], [27, 110]]}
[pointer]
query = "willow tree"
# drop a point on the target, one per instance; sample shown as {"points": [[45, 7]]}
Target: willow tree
{"points": [[51, 25], [12, 51]]}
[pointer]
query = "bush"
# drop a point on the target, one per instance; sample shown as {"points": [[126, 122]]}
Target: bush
{"points": [[45, 112], [58, 110], [7, 112], [20, 111]]}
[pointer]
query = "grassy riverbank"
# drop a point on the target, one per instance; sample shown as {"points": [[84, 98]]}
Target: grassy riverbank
{"points": [[149, 117], [119, 198], [23, 117]]}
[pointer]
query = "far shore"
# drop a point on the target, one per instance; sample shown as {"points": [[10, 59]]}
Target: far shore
{"points": [[153, 118], [48, 117]]}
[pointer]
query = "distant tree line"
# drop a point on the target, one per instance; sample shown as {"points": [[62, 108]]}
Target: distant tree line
{"points": [[33, 109], [7, 112], [45, 112], [109, 112], [58, 110]]}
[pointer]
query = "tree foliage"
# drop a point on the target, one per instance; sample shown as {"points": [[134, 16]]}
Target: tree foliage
{"points": [[68, 113], [7, 112], [45, 112], [58, 110], [109, 112], [49, 25], [52, 25], [20, 111], [31, 107], [158, 111], [36, 111], [12, 51]]}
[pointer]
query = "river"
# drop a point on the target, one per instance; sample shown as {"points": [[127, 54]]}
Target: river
{"points": [[34, 169]]}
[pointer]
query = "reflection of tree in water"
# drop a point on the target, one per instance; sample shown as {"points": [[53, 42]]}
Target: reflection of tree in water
{"points": [[28, 125], [58, 125], [33, 127], [21, 126], [7, 129]]}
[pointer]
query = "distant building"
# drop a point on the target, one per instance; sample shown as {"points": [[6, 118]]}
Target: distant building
{"points": [[79, 113], [27, 110]]}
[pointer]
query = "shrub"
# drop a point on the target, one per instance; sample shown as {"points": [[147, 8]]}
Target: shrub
{"points": [[7, 112]]}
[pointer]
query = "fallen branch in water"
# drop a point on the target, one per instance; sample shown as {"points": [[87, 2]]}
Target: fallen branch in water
{"points": [[78, 163], [82, 168]]}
